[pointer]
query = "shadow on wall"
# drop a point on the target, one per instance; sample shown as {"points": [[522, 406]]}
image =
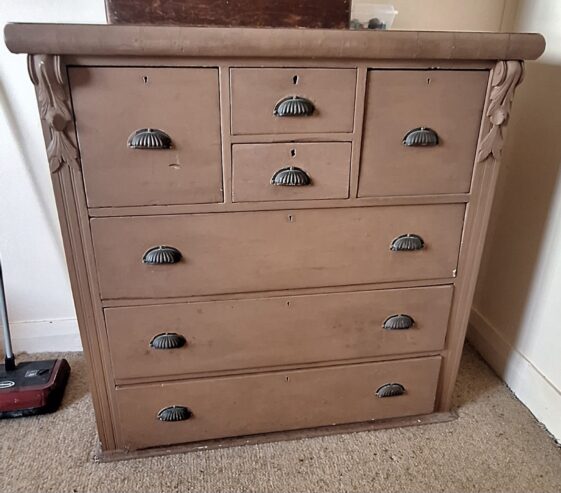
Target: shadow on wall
{"points": [[525, 195]]}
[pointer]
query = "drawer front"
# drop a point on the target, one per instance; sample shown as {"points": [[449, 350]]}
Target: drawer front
{"points": [[113, 104], [450, 103], [232, 335], [325, 100], [286, 400], [270, 250], [265, 172]]}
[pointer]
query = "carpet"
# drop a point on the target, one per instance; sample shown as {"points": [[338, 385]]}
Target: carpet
{"points": [[495, 445]]}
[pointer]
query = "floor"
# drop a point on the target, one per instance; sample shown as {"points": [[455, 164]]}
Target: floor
{"points": [[495, 445]]}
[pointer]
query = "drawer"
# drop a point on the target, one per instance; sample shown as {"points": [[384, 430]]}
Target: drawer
{"points": [[448, 103], [264, 172], [285, 400], [115, 105], [231, 335], [240, 252], [325, 100]]}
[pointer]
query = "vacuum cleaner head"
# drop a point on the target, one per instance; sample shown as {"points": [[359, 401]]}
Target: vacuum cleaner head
{"points": [[33, 387]]}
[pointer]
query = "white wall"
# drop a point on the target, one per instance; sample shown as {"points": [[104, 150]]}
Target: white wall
{"points": [[516, 319], [39, 299]]}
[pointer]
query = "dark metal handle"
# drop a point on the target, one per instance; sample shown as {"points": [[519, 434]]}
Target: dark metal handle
{"points": [[168, 340], [161, 255], [399, 322], [421, 137], [291, 177], [149, 138], [174, 413], [407, 243], [294, 106], [390, 390]]}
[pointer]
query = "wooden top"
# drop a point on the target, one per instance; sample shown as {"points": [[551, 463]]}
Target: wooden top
{"points": [[130, 40]]}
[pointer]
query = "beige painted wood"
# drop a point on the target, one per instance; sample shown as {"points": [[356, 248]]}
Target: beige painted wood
{"points": [[337, 44], [326, 163], [279, 436], [110, 104], [239, 252], [248, 405], [256, 91], [267, 332], [448, 102]]}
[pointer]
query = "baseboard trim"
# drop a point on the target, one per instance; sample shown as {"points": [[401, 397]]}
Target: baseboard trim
{"points": [[39, 336], [529, 385]]}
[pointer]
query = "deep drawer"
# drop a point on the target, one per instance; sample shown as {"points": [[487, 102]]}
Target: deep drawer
{"points": [[286, 400], [449, 103], [265, 172], [260, 251], [113, 104], [268, 332], [325, 100]]}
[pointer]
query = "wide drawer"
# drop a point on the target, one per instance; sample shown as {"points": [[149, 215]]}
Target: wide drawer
{"points": [[265, 172], [421, 130], [127, 161], [285, 400], [323, 100], [267, 332], [271, 250]]}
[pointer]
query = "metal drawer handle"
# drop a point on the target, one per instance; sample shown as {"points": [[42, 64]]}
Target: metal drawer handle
{"points": [[149, 138], [160, 255], [421, 137], [407, 243], [390, 390], [168, 340], [174, 413], [294, 106], [291, 177], [399, 322]]}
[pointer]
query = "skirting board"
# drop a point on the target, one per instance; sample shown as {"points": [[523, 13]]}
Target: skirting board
{"points": [[529, 385], [40, 336]]}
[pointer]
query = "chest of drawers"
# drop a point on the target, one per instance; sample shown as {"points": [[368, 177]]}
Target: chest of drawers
{"points": [[270, 233]]}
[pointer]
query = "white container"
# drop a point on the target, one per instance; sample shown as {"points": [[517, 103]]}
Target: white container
{"points": [[369, 15]]}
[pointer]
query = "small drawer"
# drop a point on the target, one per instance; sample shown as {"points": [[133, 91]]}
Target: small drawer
{"points": [[292, 100], [190, 411], [174, 339], [239, 252], [421, 130], [265, 172], [148, 136]]}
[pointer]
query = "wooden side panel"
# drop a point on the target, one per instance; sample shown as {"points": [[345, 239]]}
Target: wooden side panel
{"points": [[112, 103], [327, 164], [256, 91], [260, 251], [448, 102], [285, 400], [267, 332]]}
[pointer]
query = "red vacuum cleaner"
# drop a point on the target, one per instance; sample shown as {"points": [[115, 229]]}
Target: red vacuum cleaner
{"points": [[28, 388]]}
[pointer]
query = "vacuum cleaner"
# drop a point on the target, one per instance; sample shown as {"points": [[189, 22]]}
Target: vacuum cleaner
{"points": [[28, 388]]}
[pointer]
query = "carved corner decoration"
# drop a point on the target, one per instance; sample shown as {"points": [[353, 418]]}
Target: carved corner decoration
{"points": [[506, 76], [46, 73]]}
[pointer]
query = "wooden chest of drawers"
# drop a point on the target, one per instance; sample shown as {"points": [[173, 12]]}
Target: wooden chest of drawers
{"points": [[270, 231]]}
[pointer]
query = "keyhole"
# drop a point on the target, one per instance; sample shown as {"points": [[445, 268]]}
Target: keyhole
{"points": [[290, 218], [428, 80], [293, 152], [145, 79], [295, 79]]}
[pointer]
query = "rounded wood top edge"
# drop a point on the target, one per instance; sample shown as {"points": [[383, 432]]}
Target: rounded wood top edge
{"points": [[135, 40]]}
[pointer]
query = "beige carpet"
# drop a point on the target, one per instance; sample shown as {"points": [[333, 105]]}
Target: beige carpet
{"points": [[495, 445]]}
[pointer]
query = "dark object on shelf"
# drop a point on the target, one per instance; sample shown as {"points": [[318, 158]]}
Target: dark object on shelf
{"points": [[326, 14], [29, 388]]}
